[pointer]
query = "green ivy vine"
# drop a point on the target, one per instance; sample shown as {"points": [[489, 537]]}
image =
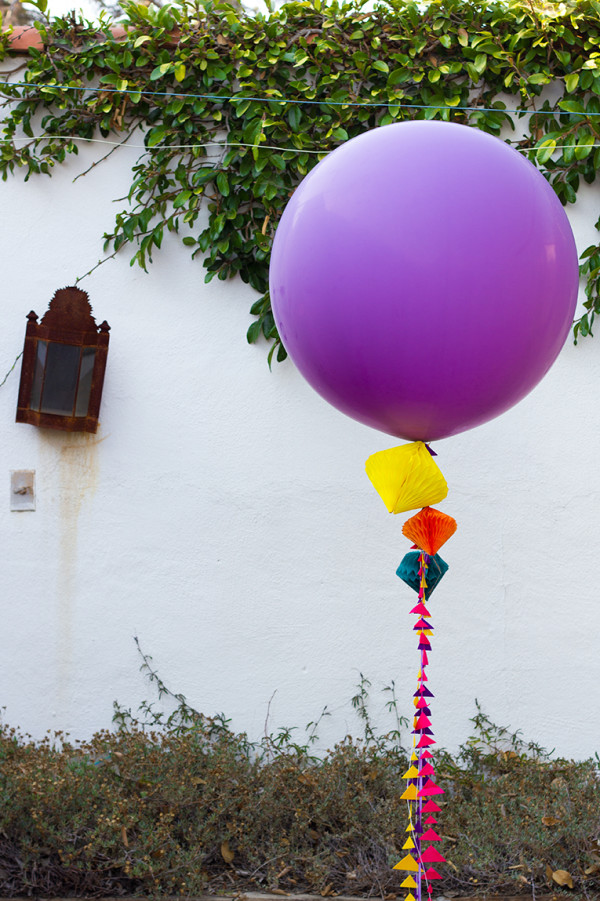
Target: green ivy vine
{"points": [[275, 92]]}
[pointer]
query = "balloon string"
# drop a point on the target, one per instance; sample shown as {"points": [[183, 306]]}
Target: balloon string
{"points": [[419, 803], [424, 566]]}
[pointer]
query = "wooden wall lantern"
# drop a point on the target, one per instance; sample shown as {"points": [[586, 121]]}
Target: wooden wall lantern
{"points": [[64, 359]]}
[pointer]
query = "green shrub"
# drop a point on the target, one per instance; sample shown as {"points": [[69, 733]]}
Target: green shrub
{"points": [[182, 804]]}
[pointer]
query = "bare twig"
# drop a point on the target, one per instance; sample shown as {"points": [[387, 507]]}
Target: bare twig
{"points": [[11, 369], [106, 155], [93, 269]]}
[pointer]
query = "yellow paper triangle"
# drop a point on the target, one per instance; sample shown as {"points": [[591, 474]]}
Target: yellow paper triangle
{"points": [[414, 756], [406, 477], [411, 773], [408, 844], [407, 863], [427, 632], [410, 897], [410, 794], [410, 828], [409, 882]]}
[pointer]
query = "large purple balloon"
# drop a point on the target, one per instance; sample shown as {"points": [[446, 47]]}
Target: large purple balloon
{"points": [[424, 278]]}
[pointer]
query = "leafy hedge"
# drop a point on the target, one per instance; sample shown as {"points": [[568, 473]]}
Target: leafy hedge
{"points": [[182, 805], [283, 89]]}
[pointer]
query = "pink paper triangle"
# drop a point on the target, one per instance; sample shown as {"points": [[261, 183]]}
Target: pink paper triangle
{"points": [[431, 874], [430, 788], [421, 610], [432, 855]]}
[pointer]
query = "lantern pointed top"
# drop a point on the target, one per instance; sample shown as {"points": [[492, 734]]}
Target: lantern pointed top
{"points": [[70, 307]]}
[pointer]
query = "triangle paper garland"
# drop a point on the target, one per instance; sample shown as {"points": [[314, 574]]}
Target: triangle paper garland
{"points": [[405, 478]]}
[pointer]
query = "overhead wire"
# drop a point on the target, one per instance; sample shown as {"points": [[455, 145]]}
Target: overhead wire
{"points": [[237, 98], [299, 150], [162, 146]]}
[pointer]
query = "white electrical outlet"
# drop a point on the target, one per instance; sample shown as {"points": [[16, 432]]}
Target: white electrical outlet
{"points": [[22, 490]]}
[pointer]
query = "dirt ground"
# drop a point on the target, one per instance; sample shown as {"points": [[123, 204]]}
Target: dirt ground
{"points": [[257, 896]]}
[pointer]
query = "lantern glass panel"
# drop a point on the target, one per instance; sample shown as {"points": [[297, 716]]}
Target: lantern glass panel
{"points": [[38, 376], [88, 358], [60, 382]]}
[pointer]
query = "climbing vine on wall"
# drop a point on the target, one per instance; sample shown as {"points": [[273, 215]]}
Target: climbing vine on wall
{"points": [[233, 109]]}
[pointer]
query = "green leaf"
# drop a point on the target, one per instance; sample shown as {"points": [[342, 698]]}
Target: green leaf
{"points": [[253, 333], [545, 151], [572, 106], [179, 71], [141, 40], [202, 176], [584, 146], [340, 134], [223, 183], [397, 77], [159, 71], [155, 136], [571, 81], [294, 115], [480, 63], [181, 199], [381, 66]]}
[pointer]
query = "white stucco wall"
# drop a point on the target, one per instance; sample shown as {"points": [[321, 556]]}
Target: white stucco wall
{"points": [[223, 516]]}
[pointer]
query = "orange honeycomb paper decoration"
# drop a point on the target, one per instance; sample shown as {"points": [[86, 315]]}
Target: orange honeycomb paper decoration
{"points": [[429, 529]]}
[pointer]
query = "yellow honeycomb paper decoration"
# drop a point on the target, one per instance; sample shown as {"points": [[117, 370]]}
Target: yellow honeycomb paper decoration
{"points": [[406, 477]]}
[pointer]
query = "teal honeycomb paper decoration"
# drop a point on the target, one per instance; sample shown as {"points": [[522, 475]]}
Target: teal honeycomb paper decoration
{"points": [[408, 571]]}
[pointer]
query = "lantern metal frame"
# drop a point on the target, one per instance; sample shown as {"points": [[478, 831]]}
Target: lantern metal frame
{"points": [[68, 321]]}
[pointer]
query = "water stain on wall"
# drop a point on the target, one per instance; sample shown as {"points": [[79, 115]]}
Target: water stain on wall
{"points": [[70, 463]]}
